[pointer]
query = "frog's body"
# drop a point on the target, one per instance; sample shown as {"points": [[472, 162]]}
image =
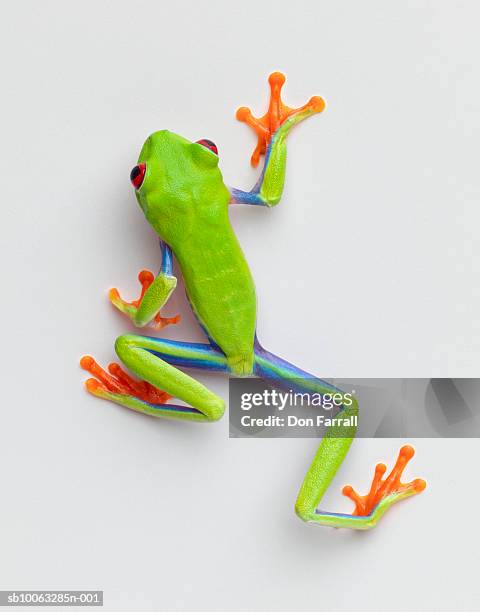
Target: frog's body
{"points": [[182, 193], [217, 278]]}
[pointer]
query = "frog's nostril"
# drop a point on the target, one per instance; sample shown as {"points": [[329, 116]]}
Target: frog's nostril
{"points": [[137, 175]]}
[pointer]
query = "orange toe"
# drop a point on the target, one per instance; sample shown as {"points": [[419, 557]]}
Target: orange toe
{"points": [[114, 295], [116, 380], [161, 322], [94, 386]]}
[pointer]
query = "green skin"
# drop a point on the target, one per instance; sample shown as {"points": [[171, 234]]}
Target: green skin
{"points": [[184, 198], [186, 202]]}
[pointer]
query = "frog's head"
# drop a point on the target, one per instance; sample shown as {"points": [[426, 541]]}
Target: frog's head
{"points": [[178, 182]]}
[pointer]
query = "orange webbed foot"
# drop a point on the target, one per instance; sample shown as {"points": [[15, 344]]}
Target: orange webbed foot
{"points": [[277, 114], [380, 489], [116, 380], [145, 278]]}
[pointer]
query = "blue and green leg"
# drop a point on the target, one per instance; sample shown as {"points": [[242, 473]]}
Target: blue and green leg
{"points": [[145, 311], [155, 361], [331, 453]]}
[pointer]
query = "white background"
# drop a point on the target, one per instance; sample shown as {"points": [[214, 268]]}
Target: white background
{"points": [[369, 267]]}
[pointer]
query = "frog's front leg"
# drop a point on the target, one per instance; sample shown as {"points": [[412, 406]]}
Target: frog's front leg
{"points": [[154, 295], [272, 130], [153, 360]]}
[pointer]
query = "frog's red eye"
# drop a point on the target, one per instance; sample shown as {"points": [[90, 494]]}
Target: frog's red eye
{"points": [[137, 175], [209, 145]]}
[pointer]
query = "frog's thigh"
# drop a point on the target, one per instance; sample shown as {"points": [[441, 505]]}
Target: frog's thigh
{"points": [[153, 360]]}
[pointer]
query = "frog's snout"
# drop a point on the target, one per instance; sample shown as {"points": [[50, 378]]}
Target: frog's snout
{"points": [[137, 175]]}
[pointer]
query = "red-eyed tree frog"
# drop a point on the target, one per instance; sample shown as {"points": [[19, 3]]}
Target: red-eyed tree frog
{"points": [[180, 189]]}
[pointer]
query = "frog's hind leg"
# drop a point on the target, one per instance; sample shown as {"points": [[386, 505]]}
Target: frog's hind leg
{"points": [[331, 453], [153, 360]]}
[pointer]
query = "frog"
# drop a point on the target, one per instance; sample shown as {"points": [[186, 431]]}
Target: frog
{"points": [[180, 189]]}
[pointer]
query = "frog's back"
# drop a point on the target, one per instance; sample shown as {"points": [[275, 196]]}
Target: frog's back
{"points": [[186, 201], [221, 290]]}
